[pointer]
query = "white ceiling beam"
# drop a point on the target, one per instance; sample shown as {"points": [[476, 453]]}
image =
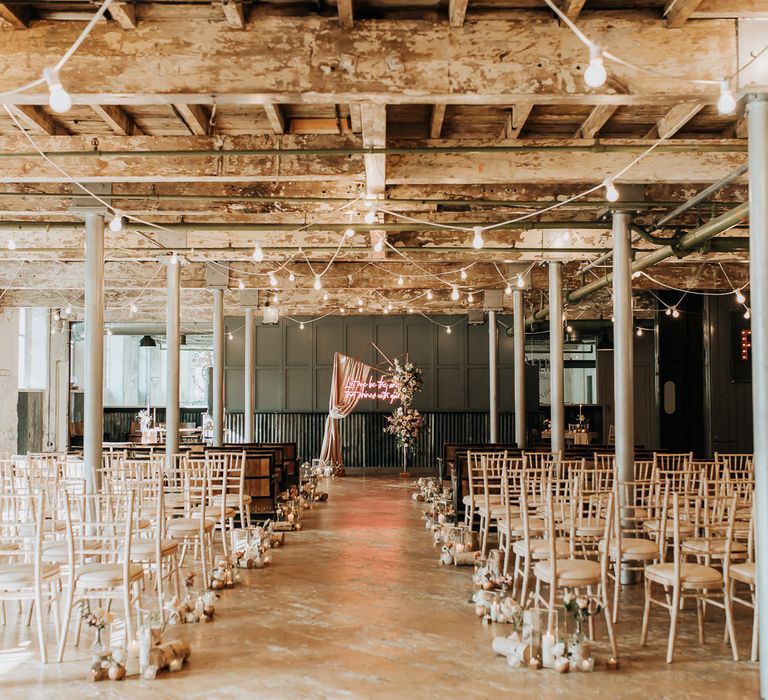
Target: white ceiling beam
{"points": [[677, 12], [374, 122], [275, 117], [234, 13], [124, 13], [674, 120]]}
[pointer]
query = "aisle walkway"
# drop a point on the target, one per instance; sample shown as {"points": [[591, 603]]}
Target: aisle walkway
{"points": [[356, 607]]}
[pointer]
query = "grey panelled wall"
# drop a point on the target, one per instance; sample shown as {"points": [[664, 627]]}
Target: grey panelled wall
{"points": [[293, 366]]}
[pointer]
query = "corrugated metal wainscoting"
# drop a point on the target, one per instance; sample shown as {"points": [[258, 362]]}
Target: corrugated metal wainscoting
{"points": [[364, 442]]}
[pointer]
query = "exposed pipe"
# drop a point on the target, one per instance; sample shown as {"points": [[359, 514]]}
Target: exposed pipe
{"points": [[687, 243]]}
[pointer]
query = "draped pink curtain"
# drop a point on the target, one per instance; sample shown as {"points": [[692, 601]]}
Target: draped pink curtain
{"points": [[345, 370]]}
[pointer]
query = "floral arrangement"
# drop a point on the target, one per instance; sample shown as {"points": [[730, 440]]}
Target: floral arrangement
{"points": [[145, 419], [405, 424], [408, 380], [98, 619], [580, 608]]}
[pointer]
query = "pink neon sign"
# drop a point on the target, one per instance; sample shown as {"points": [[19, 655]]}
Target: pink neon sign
{"points": [[383, 390]]}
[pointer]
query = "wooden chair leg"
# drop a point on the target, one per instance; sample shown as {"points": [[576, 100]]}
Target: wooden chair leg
{"points": [[609, 624], [646, 613], [729, 622], [700, 619], [39, 611], [526, 579], [674, 613], [66, 619]]}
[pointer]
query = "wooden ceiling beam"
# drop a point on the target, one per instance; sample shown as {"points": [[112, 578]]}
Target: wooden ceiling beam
{"points": [[346, 13], [516, 120], [117, 119], [17, 17], [374, 122], [426, 62], [124, 13], [436, 120], [457, 12], [677, 12], [674, 120], [572, 8], [596, 120], [196, 117], [39, 121], [234, 13], [275, 117]]}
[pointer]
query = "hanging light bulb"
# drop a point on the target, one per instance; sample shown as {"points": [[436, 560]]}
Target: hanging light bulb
{"points": [[400, 281], [116, 225], [53, 331], [726, 103], [275, 298], [133, 309], [508, 289], [430, 296], [636, 274], [470, 297], [360, 302], [318, 282], [566, 236], [109, 331], [611, 193], [272, 280], [58, 99], [301, 326], [389, 306], [520, 281], [370, 217], [241, 284], [639, 332], [230, 336], [675, 312], [668, 311], [56, 316], [342, 309], [463, 273], [11, 244], [447, 329], [258, 253], [325, 296], [477, 241], [291, 276], [595, 75], [174, 258], [368, 203], [410, 311], [740, 298], [349, 232], [455, 293], [386, 310], [68, 310], [378, 245], [747, 314]]}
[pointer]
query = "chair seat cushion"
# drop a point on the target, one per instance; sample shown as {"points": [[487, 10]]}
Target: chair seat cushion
{"points": [[232, 499], [15, 576], [592, 530], [59, 551], [467, 500], [653, 526], [744, 572], [105, 575], [713, 547], [540, 548], [691, 575], [498, 510], [633, 548], [214, 510], [515, 526], [570, 572], [179, 527], [145, 549]]}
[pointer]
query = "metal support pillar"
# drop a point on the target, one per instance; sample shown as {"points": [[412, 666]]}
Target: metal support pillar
{"points": [[93, 419], [521, 437], [557, 396], [172, 359], [493, 377], [250, 373], [218, 367], [623, 363], [757, 110]]}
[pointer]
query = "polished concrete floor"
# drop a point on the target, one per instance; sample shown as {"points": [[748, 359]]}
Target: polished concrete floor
{"points": [[356, 606]]}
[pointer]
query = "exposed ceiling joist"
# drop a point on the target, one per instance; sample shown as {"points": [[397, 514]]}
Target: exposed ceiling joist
{"points": [[275, 117], [346, 13], [117, 119], [596, 120], [674, 120], [436, 120], [16, 16], [234, 14], [457, 12], [124, 13], [374, 122], [39, 121], [196, 117], [516, 120], [572, 8], [677, 12]]}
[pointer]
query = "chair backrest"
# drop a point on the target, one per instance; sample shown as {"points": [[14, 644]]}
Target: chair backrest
{"points": [[671, 461], [643, 470], [604, 460], [21, 529], [611, 434], [566, 468], [540, 459], [736, 462]]}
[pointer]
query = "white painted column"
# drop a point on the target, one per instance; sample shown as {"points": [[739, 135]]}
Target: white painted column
{"points": [[493, 377], [757, 109], [172, 359], [556, 379], [93, 421], [521, 437], [250, 373], [218, 367]]}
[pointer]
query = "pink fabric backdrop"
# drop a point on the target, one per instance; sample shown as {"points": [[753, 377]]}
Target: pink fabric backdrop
{"points": [[345, 369]]}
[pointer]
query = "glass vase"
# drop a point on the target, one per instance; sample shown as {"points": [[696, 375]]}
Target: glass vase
{"points": [[97, 648]]}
